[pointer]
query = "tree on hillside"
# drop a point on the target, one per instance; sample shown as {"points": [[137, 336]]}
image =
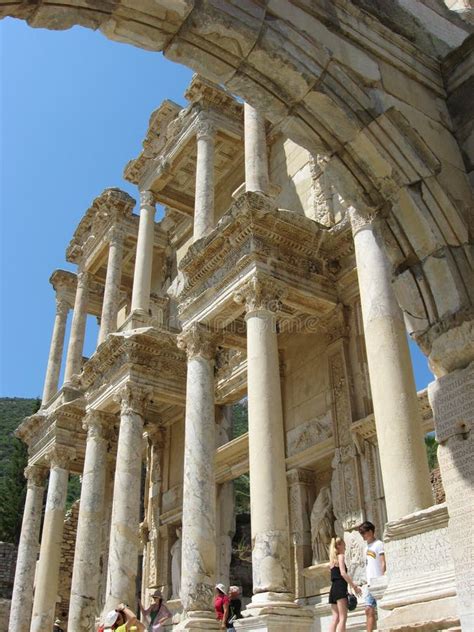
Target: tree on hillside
{"points": [[13, 460]]}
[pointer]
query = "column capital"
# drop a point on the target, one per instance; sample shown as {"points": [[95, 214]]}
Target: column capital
{"points": [[133, 398], [361, 220], [147, 198], [35, 475], [62, 306], [156, 435], [115, 235], [198, 341], [300, 476], [205, 128], [96, 424], [60, 456], [83, 278], [260, 293]]}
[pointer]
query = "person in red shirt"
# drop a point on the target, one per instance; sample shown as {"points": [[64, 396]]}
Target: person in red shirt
{"points": [[221, 605]]}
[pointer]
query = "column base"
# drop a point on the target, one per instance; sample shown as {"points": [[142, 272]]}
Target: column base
{"points": [[198, 620], [296, 620], [275, 612], [136, 320], [420, 583]]}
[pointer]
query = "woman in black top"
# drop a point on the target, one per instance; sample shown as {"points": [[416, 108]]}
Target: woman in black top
{"points": [[235, 607], [339, 581]]}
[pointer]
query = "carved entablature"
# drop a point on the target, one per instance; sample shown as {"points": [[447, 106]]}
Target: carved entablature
{"points": [[150, 357], [254, 237], [111, 207], [167, 163], [64, 283]]}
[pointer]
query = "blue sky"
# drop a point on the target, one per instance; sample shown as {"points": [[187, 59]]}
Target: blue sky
{"points": [[74, 109]]}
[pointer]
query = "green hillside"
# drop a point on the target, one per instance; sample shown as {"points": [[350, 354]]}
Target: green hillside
{"points": [[13, 460]]}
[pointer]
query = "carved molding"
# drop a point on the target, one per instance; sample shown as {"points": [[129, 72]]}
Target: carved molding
{"points": [[260, 293], [35, 475], [198, 341], [83, 278]]}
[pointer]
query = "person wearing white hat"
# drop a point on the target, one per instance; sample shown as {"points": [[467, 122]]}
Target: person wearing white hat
{"points": [[221, 605], [122, 619]]}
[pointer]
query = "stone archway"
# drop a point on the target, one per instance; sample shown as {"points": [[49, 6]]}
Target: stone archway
{"points": [[314, 72], [350, 85]]}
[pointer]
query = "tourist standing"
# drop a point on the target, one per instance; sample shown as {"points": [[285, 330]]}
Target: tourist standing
{"points": [[122, 619], [339, 581], [375, 567], [221, 605], [158, 613], [235, 607]]}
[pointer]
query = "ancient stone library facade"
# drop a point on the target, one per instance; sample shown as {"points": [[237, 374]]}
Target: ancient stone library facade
{"points": [[306, 227]]}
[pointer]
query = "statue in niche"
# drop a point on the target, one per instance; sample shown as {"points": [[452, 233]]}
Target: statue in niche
{"points": [[176, 566], [321, 526]]}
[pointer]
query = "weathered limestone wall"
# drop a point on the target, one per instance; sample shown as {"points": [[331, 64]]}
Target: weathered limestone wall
{"points": [[67, 560], [437, 486], [8, 554], [306, 399], [223, 195]]}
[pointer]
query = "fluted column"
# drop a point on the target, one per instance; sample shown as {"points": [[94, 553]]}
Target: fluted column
{"points": [[124, 540], [22, 597], [144, 256], [86, 569], [268, 487], [78, 327], [402, 451], [204, 198], [47, 575], [256, 158], [108, 321], [56, 350], [198, 571]]}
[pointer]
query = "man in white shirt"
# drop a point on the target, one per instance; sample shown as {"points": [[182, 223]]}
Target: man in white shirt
{"points": [[375, 567]]}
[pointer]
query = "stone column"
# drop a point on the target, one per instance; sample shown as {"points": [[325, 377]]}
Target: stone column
{"points": [[144, 256], [204, 200], [22, 597], [124, 541], [47, 574], [56, 350], [268, 488], [256, 159], [397, 417], [108, 321], [78, 327], [86, 569], [198, 571]]}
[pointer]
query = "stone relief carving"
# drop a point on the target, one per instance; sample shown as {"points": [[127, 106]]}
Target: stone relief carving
{"points": [[322, 526], [347, 502]]}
